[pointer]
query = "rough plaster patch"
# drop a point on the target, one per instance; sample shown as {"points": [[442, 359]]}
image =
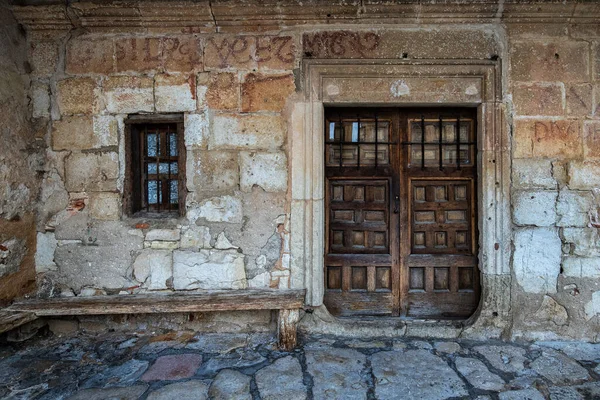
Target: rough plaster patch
{"points": [[44, 254], [196, 129], [208, 269], [217, 209], [399, 88], [592, 308], [267, 170], [12, 252], [537, 259]]}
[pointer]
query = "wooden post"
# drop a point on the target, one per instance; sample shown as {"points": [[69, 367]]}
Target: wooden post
{"points": [[286, 328]]}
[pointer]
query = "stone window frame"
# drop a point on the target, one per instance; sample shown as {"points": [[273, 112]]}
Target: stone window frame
{"points": [[458, 83], [128, 191]]}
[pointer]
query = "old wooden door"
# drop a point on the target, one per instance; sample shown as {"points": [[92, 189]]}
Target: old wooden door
{"points": [[400, 231]]}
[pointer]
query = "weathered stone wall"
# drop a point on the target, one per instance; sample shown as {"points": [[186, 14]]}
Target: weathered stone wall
{"points": [[231, 91], [19, 163], [236, 90], [554, 82]]}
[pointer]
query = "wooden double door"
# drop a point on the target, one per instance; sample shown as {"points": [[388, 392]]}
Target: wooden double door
{"points": [[401, 212]]}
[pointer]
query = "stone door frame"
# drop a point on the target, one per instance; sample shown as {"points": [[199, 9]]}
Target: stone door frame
{"points": [[400, 83]]}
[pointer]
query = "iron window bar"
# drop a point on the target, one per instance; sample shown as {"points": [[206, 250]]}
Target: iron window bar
{"points": [[441, 142], [342, 143]]}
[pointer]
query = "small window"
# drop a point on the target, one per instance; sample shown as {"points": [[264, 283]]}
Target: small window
{"points": [[156, 163]]}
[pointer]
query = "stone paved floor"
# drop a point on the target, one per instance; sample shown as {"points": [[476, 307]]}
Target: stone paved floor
{"points": [[237, 366]]}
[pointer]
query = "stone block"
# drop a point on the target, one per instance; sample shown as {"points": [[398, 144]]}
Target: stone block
{"points": [[223, 92], [196, 130], [584, 242], [182, 53], [87, 55], [591, 139], [415, 43], [537, 259], [230, 384], [40, 97], [170, 235], [74, 133], [596, 98], [584, 175], [153, 268], [267, 170], [63, 326], [250, 52], [579, 99], [173, 367], [227, 51], [573, 208], [208, 269], [533, 174], [547, 139], [104, 263], [44, 252], [275, 52], [252, 132], [266, 92], [128, 94], [175, 93], [161, 245], [105, 206], [536, 208], [43, 57], [552, 311], [76, 96], [92, 172], [592, 308], [563, 61], [218, 209], [138, 54], [195, 238], [539, 99], [581, 267], [106, 130], [214, 171], [180, 390], [281, 380]]}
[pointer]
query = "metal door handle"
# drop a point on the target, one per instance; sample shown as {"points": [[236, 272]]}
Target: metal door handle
{"points": [[396, 204]]}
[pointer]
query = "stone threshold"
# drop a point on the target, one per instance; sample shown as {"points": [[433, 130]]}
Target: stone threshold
{"points": [[320, 321]]}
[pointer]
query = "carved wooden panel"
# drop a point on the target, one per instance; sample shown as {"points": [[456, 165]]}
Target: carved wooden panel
{"points": [[441, 212], [358, 216]]}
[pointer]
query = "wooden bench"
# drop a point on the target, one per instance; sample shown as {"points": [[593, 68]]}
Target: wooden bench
{"points": [[288, 302]]}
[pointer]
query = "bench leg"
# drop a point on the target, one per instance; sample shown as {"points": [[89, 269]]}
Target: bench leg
{"points": [[286, 328]]}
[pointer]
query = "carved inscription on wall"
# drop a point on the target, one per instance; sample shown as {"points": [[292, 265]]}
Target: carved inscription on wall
{"points": [[274, 52], [340, 44], [182, 53]]}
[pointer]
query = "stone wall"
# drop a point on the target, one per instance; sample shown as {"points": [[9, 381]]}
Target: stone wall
{"points": [[236, 92], [554, 82], [19, 164], [231, 91]]}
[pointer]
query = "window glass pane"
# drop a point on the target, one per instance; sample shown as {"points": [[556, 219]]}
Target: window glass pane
{"points": [[152, 143], [163, 168], [173, 192], [173, 144], [154, 192], [333, 135]]}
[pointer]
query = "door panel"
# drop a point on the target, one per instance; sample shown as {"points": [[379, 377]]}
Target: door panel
{"points": [[400, 213]]}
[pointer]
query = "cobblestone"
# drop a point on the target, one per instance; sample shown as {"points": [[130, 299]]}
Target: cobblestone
{"points": [[242, 366]]}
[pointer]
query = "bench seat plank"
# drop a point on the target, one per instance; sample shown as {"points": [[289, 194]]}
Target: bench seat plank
{"points": [[213, 300], [13, 319]]}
